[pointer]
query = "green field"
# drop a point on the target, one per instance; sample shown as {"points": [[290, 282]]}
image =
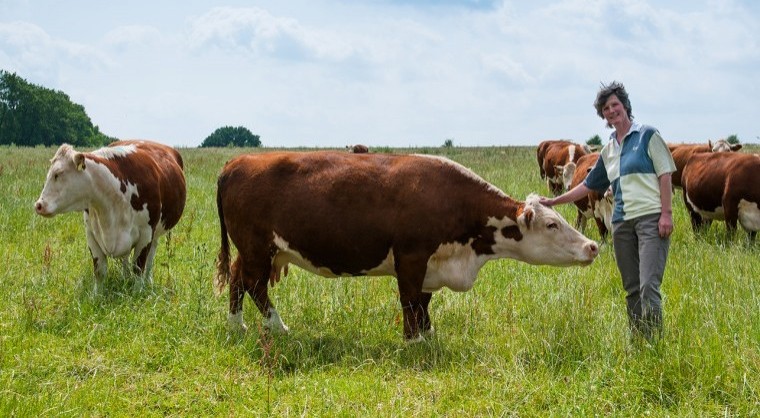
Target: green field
{"points": [[525, 341]]}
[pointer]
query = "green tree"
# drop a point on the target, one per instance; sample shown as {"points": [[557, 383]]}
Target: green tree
{"points": [[733, 139], [32, 115], [594, 141], [227, 136]]}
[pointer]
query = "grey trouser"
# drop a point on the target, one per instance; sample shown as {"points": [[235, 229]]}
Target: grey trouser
{"points": [[641, 256]]}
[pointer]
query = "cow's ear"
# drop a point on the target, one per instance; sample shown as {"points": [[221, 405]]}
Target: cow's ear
{"points": [[79, 161], [526, 217], [736, 147], [709, 145]]}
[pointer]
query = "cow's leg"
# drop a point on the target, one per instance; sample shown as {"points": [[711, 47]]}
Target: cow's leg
{"points": [[411, 274], [255, 279], [126, 271], [731, 212], [99, 259], [138, 267], [697, 223], [143, 264], [423, 321], [602, 228], [100, 266], [580, 220], [237, 293]]}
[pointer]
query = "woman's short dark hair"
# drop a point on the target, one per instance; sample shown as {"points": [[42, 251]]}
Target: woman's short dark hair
{"points": [[617, 89]]}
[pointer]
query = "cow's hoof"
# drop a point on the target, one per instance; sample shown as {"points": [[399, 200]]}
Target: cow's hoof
{"points": [[414, 340], [274, 323], [276, 328], [428, 333], [235, 323]]}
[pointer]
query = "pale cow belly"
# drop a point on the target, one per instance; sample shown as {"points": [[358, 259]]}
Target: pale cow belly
{"points": [[749, 215]]}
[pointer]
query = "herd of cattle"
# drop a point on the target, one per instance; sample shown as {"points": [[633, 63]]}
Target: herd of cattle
{"points": [[425, 220], [718, 182]]}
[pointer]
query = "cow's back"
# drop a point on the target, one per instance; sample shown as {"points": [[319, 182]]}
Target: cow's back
{"points": [[157, 170]]}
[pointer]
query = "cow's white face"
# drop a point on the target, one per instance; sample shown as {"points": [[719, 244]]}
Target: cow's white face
{"points": [[66, 186], [604, 207], [568, 171], [722, 145], [548, 239]]}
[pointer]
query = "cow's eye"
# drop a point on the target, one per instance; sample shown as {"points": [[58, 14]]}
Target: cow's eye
{"points": [[553, 225], [55, 176]]}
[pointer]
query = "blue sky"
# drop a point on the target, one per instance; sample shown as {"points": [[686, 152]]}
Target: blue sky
{"points": [[392, 72]]}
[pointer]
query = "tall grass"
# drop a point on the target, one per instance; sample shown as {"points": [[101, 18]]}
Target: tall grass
{"points": [[527, 340]]}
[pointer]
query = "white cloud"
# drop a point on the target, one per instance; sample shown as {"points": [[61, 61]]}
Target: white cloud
{"points": [[30, 51], [256, 31], [132, 36]]}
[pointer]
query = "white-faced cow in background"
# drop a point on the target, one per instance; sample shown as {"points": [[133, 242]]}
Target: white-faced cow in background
{"points": [[723, 186], [682, 152], [552, 156], [426, 220], [595, 205], [131, 193]]}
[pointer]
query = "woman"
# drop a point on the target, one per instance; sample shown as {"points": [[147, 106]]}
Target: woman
{"points": [[637, 164]]}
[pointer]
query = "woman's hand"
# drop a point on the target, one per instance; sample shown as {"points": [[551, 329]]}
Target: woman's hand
{"points": [[665, 224]]}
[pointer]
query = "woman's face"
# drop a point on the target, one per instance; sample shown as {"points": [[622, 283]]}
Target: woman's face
{"points": [[614, 111]]}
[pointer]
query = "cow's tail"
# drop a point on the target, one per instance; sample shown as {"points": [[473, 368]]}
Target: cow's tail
{"points": [[222, 276]]}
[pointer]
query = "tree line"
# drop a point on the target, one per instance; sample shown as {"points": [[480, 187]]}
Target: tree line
{"points": [[32, 115]]}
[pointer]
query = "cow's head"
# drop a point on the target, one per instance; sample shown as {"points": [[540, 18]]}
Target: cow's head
{"points": [[66, 184], [722, 145], [568, 171], [604, 208], [545, 237]]}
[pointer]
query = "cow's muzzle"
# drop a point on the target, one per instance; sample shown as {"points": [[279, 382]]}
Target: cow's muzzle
{"points": [[592, 250], [41, 209]]}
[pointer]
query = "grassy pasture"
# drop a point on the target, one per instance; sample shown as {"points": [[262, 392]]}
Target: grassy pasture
{"points": [[527, 340]]}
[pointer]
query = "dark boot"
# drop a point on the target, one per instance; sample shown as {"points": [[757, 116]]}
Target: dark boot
{"points": [[652, 327]]}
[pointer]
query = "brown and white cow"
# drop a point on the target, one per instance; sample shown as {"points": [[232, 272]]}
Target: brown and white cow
{"points": [[723, 186], [541, 152], [552, 157], [682, 152], [131, 193], [358, 149], [595, 205], [426, 220]]}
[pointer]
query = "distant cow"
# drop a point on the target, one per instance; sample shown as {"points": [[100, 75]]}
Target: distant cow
{"points": [[595, 205], [426, 220], [358, 149], [724, 186], [552, 157], [682, 152], [541, 152], [131, 193]]}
